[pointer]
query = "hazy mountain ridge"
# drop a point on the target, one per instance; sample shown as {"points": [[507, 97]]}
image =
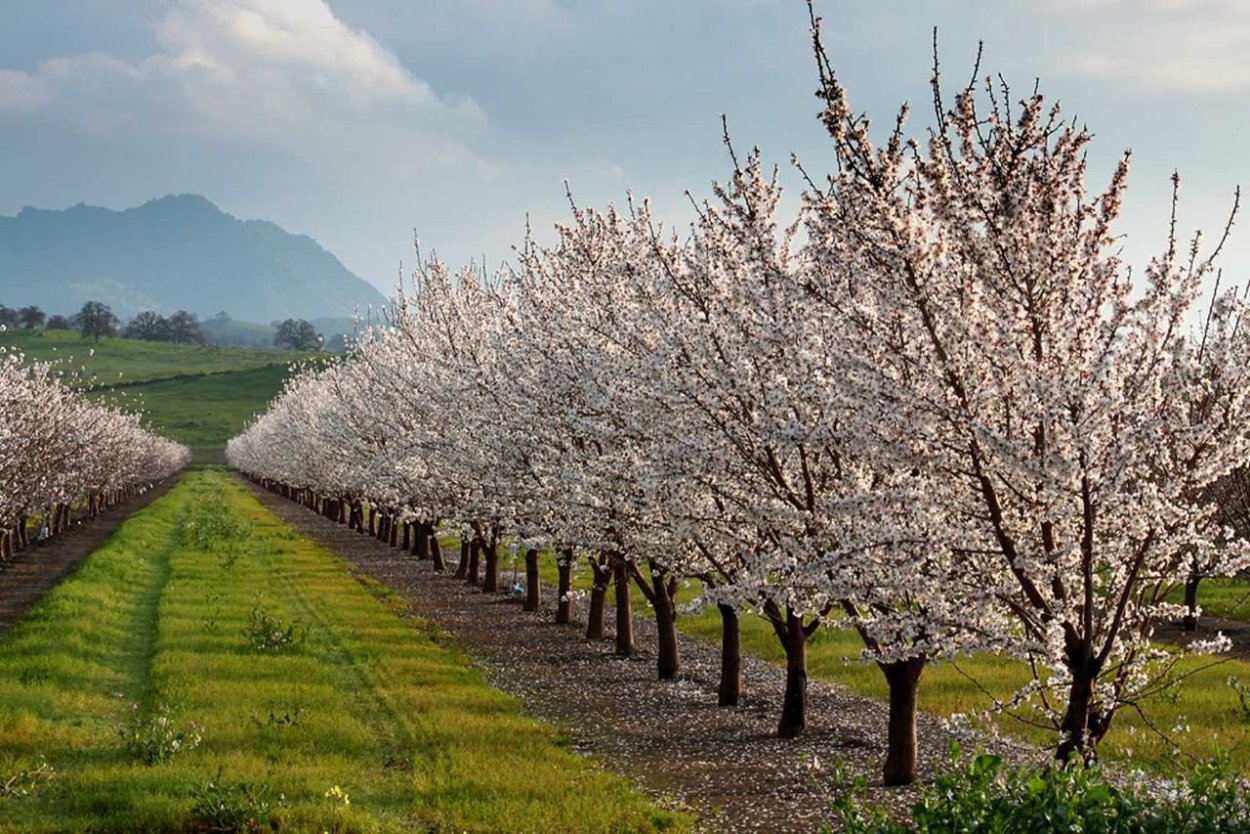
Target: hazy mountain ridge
{"points": [[175, 252]]}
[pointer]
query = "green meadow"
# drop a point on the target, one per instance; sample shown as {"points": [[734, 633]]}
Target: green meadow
{"points": [[200, 396], [113, 361], [1207, 715], [209, 669]]}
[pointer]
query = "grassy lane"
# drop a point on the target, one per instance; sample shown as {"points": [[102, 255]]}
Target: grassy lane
{"points": [[1205, 717], [318, 702]]}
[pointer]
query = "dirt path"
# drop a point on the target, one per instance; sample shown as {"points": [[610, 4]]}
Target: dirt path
{"points": [[670, 737], [38, 569]]}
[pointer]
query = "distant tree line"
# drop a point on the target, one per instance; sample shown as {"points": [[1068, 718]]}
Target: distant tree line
{"points": [[96, 320]]}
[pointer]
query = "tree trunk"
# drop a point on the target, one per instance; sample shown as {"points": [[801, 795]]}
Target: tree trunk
{"points": [[490, 584], [373, 517], [564, 568], [421, 540], [533, 584], [475, 555], [407, 537], [903, 678], [1082, 726], [668, 657], [598, 599], [794, 703], [729, 693], [440, 566], [393, 529], [462, 569], [624, 611], [1190, 622]]}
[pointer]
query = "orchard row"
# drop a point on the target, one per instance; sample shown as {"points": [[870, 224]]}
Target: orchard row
{"points": [[59, 451], [934, 407]]}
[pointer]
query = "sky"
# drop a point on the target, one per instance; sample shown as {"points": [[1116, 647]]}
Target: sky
{"points": [[360, 122]]}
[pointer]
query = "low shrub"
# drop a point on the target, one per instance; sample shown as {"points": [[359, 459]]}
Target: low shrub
{"points": [[983, 795]]}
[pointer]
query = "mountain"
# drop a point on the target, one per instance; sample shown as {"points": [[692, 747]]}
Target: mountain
{"points": [[177, 252]]}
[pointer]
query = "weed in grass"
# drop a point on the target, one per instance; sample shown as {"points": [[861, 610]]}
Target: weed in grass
{"points": [[26, 780], [32, 675], [282, 718], [270, 634], [1243, 696], [338, 801], [157, 738], [221, 806]]}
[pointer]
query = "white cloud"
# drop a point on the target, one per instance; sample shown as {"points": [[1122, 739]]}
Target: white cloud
{"points": [[286, 72], [1187, 46], [19, 91]]}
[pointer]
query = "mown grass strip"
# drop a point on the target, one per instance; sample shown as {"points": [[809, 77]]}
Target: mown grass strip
{"points": [[359, 722]]}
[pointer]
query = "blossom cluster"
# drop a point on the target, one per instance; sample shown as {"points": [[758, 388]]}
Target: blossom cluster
{"points": [[944, 413]]}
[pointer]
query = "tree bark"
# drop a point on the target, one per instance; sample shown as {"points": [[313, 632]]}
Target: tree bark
{"points": [[421, 540], [668, 656], [1190, 622], [533, 583], [490, 583], [407, 536], [475, 554], [794, 703], [436, 551], [598, 599], [1083, 726], [903, 678], [373, 517], [462, 569], [624, 611], [729, 693], [564, 569]]}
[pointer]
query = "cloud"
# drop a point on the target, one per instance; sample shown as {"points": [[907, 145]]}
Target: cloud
{"points": [[1186, 46], [20, 91], [285, 72]]}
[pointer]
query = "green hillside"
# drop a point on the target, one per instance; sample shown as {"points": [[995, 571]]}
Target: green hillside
{"points": [[127, 361], [200, 396], [202, 410]]}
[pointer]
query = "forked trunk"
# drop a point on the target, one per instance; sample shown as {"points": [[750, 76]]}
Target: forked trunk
{"points": [[1083, 726], [533, 583], [729, 693], [624, 611], [794, 703], [903, 678]]}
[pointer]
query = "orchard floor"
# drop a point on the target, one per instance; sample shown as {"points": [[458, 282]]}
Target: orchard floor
{"points": [[670, 737], [33, 572]]}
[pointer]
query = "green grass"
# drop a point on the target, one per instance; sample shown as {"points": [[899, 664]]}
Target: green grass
{"points": [[1228, 598], [125, 361], [366, 705], [200, 396], [204, 410], [1203, 717]]}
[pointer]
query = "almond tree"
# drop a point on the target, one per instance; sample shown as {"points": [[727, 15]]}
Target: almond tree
{"points": [[1066, 425]]}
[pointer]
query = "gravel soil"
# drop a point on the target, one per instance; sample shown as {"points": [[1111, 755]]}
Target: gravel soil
{"points": [[670, 737]]}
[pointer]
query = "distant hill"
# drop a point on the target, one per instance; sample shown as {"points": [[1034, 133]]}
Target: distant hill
{"points": [[178, 252]]}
